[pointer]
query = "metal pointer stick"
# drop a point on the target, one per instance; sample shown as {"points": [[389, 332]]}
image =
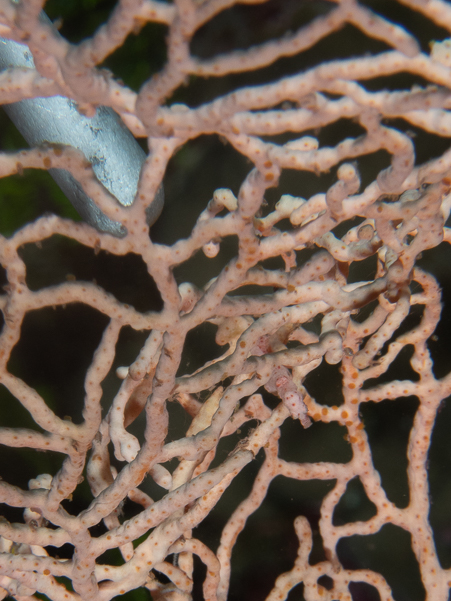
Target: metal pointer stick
{"points": [[115, 155]]}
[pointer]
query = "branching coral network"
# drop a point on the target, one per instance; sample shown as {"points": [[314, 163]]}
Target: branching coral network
{"points": [[282, 307]]}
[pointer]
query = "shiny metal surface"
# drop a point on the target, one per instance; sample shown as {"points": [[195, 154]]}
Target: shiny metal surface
{"points": [[115, 155]]}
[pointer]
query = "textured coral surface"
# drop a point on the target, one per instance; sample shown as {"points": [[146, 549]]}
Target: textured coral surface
{"points": [[245, 400]]}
